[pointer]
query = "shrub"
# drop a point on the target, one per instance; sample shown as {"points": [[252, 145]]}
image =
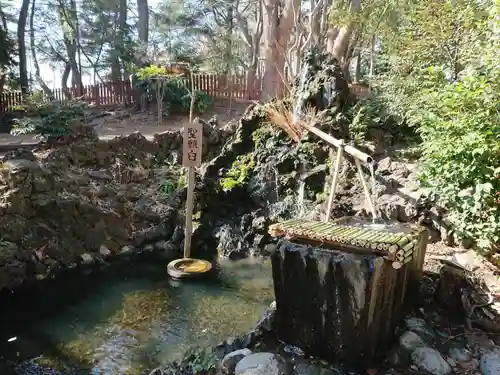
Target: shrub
{"points": [[239, 173], [154, 80], [49, 119], [460, 129]]}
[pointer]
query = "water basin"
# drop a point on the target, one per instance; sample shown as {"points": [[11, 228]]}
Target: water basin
{"points": [[117, 324]]}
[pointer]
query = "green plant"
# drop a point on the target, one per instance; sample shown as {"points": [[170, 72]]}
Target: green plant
{"points": [[238, 175], [460, 128], [49, 119], [201, 361], [175, 93], [166, 188], [446, 85]]}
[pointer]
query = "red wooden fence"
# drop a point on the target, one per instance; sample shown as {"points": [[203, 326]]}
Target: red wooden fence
{"points": [[123, 92]]}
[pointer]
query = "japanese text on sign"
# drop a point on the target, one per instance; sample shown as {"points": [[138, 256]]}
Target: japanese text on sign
{"points": [[192, 144]]}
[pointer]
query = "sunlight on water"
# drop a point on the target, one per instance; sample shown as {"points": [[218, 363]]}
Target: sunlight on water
{"points": [[300, 198], [128, 325], [299, 101]]}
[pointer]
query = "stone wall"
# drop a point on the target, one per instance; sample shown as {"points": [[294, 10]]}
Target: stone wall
{"points": [[86, 200]]}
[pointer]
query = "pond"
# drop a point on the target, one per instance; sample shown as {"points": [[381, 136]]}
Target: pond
{"points": [[116, 324]]}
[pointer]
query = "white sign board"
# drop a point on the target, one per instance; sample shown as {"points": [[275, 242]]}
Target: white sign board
{"points": [[192, 144]]}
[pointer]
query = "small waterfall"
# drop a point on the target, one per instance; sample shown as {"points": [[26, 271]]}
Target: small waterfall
{"points": [[298, 107], [300, 198], [276, 182], [372, 181]]}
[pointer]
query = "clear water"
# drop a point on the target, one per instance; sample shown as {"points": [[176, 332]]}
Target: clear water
{"points": [[125, 325], [299, 101], [301, 198]]}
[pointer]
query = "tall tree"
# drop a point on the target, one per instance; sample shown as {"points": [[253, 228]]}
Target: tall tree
{"points": [[21, 41], [38, 77], [278, 22], [143, 22], [7, 45]]}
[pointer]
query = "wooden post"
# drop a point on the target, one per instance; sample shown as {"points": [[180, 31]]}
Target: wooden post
{"points": [[365, 188], [333, 188], [191, 157], [189, 212]]}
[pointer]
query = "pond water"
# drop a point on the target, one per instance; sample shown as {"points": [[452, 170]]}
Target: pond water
{"points": [[116, 324]]}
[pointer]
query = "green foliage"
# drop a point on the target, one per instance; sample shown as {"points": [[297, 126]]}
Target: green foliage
{"points": [[156, 82], [437, 71], [49, 119], [201, 361], [460, 128], [371, 113], [446, 84], [169, 185], [238, 175], [7, 47]]}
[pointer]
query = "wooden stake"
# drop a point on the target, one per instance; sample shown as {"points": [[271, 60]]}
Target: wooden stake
{"points": [[338, 161], [189, 212], [365, 188]]}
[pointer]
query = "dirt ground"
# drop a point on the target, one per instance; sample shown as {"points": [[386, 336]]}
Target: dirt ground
{"points": [[126, 122], [123, 122], [467, 258]]}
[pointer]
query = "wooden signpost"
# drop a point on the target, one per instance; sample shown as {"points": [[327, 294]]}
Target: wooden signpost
{"points": [[192, 147], [191, 158]]}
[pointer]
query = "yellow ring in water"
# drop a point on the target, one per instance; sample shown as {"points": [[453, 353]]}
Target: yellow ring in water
{"points": [[188, 267]]}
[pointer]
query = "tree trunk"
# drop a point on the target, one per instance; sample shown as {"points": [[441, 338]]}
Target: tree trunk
{"points": [[77, 68], [68, 20], [277, 30], [315, 23], [342, 40], [21, 33], [4, 32], [357, 71], [229, 52], [252, 46], [118, 50], [143, 23], [64, 80], [331, 35], [38, 78]]}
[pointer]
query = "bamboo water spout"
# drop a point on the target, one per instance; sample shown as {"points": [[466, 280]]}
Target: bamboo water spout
{"points": [[359, 157], [354, 152]]}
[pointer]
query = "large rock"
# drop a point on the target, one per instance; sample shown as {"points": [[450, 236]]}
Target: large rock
{"points": [[489, 363], [421, 327], [409, 341], [261, 364], [229, 362], [431, 361], [82, 200]]}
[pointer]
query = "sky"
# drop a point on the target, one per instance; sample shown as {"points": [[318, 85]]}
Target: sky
{"points": [[53, 77]]}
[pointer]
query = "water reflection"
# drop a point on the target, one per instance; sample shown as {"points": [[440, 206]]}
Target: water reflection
{"points": [[126, 325]]}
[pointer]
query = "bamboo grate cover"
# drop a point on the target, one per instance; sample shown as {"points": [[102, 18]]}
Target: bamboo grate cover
{"points": [[397, 247]]}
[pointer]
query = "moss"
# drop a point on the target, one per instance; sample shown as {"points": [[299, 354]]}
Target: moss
{"points": [[260, 135], [238, 175], [321, 197]]}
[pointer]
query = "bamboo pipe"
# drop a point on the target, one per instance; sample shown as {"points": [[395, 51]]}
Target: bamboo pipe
{"points": [[365, 188], [333, 188], [398, 264], [357, 154]]}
